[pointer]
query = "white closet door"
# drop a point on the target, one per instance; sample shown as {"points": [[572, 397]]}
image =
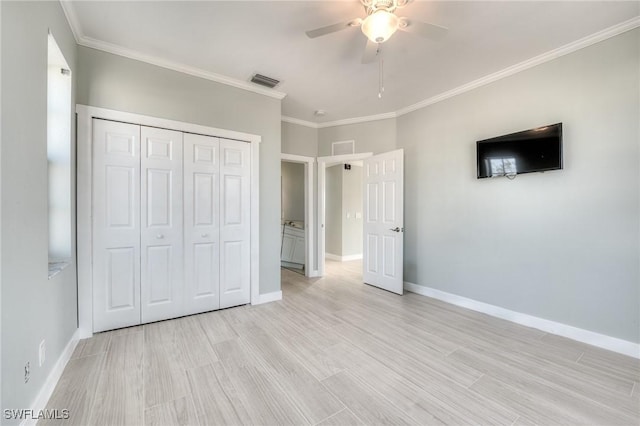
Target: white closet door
{"points": [[235, 229], [116, 225], [161, 220], [201, 223]]}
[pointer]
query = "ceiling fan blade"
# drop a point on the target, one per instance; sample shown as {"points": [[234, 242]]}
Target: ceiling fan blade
{"points": [[333, 28], [422, 29], [371, 51]]}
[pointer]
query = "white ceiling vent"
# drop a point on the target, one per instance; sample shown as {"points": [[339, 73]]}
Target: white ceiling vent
{"points": [[263, 80], [343, 148]]}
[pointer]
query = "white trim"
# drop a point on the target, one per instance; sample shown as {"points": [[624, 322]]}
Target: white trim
{"points": [[104, 46], [40, 403], [309, 216], [356, 120], [323, 163], [347, 258], [86, 114], [300, 122], [488, 79], [585, 336], [269, 297]]}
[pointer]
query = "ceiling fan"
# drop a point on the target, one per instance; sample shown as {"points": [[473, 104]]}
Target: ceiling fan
{"points": [[380, 24]]}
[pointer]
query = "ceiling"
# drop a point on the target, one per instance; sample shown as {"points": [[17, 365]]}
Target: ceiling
{"points": [[238, 38]]}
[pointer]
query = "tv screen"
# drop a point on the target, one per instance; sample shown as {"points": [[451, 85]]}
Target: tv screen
{"points": [[535, 150]]}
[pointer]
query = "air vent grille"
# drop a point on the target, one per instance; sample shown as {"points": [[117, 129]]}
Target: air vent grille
{"points": [[263, 80], [343, 148]]}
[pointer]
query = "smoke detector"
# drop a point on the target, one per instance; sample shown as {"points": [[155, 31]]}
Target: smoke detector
{"points": [[319, 113]]}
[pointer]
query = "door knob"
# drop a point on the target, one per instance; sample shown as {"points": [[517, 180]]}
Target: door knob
{"points": [[159, 236], [204, 235], [396, 229]]}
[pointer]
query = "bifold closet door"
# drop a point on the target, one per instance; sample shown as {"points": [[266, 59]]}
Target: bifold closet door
{"points": [[235, 226], [116, 225], [161, 234], [201, 223]]}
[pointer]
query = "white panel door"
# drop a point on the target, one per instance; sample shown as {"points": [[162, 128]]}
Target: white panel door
{"points": [[201, 223], [235, 227], [116, 225], [383, 220], [161, 223]]}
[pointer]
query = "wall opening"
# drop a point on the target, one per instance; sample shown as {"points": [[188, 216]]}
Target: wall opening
{"points": [[59, 121]]}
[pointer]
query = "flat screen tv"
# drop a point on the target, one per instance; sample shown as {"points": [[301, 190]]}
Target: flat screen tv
{"points": [[535, 150]]}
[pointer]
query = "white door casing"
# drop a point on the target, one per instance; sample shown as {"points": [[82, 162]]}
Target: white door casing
{"points": [[201, 223], [116, 225], [161, 224], [235, 226], [383, 220]]}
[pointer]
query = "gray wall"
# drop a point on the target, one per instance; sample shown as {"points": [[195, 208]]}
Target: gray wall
{"points": [[292, 191], [33, 307], [374, 136], [352, 204], [299, 140], [333, 210], [115, 82], [562, 245]]}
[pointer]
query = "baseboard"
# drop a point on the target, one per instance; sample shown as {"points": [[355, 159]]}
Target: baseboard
{"points": [[313, 274], [49, 385], [269, 297], [338, 258], [585, 336]]}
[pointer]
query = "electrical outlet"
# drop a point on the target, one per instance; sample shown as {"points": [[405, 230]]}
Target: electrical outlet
{"points": [[42, 353], [27, 372]]}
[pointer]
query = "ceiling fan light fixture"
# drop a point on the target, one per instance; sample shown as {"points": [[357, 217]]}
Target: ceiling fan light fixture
{"points": [[380, 25]]}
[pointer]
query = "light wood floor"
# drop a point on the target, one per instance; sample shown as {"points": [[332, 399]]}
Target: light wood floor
{"points": [[337, 352]]}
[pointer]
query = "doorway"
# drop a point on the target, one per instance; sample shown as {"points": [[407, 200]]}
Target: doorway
{"points": [[340, 191], [297, 214]]}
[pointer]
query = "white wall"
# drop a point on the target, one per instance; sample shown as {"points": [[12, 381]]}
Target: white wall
{"points": [[292, 191], [118, 83], [299, 140], [563, 245], [33, 307]]}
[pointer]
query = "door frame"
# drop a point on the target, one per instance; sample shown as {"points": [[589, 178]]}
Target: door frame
{"points": [[309, 216], [84, 175], [323, 163]]}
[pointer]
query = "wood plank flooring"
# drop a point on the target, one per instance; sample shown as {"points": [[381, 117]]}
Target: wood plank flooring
{"points": [[337, 352]]}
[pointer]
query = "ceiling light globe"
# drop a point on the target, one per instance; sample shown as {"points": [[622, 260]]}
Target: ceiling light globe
{"points": [[380, 25]]}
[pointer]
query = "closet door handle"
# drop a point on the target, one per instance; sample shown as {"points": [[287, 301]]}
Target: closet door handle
{"points": [[204, 235], [159, 236]]}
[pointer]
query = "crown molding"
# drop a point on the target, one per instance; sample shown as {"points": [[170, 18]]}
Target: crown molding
{"points": [[592, 39], [530, 63], [357, 120], [344, 122], [299, 122], [72, 19], [83, 40]]}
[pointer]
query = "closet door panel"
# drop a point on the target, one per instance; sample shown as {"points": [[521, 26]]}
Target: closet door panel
{"points": [[116, 225], [235, 229], [202, 223], [162, 222]]}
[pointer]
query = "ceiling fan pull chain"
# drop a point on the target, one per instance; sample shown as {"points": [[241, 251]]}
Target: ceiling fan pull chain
{"points": [[381, 79]]}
